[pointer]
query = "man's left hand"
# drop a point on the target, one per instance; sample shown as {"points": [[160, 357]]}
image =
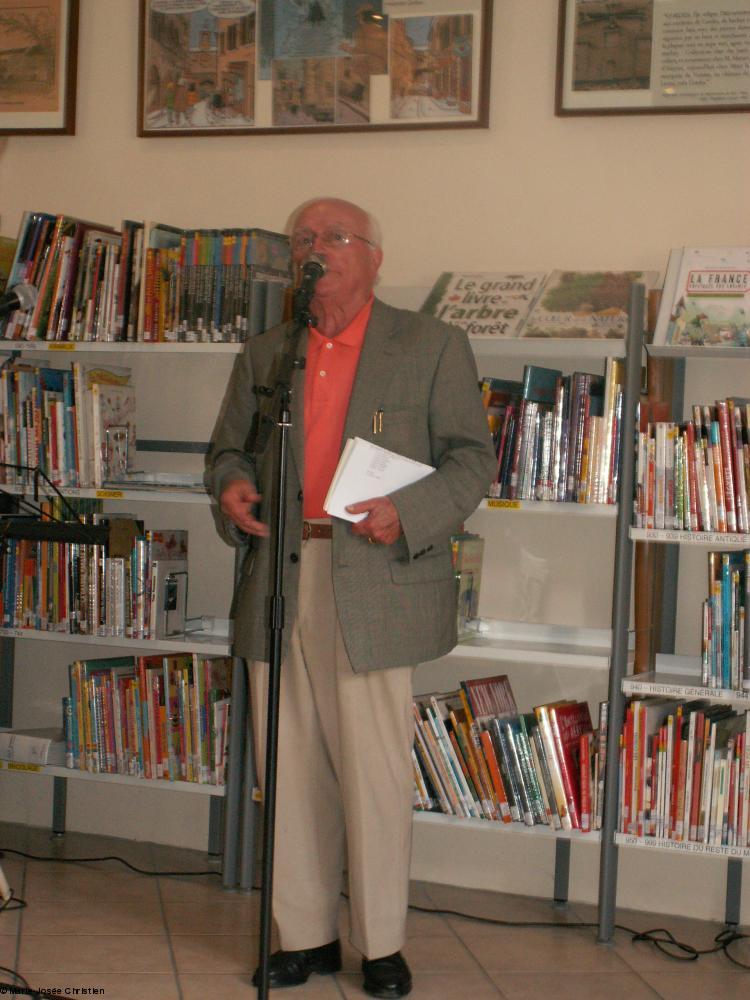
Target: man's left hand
{"points": [[382, 524]]}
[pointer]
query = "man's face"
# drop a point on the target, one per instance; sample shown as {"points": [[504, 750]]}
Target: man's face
{"points": [[351, 269]]}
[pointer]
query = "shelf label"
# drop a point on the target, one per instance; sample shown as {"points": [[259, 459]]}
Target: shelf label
{"points": [[504, 504], [63, 345], [15, 765], [110, 494]]}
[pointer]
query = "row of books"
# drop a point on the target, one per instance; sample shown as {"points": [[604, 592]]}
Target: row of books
{"points": [[133, 587], [556, 436], [685, 772], [695, 476], [164, 717], [476, 756], [77, 426], [146, 282], [725, 649]]}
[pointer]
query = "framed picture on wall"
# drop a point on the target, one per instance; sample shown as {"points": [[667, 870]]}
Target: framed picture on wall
{"points": [[38, 50], [652, 56], [228, 67]]}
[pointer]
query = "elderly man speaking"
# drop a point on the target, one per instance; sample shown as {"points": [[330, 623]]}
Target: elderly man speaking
{"points": [[365, 602]]}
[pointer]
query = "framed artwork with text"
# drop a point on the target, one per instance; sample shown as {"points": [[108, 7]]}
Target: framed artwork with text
{"points": [[652, 56], [38, 49], [225, 67]]}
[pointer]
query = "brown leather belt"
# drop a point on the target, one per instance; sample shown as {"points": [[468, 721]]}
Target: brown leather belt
{"points": [[311, 529]]}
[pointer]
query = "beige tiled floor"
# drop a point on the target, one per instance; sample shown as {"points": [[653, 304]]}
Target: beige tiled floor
{"points": [[134, 937]]}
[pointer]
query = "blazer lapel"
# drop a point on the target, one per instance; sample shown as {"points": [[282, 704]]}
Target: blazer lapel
{"points": [[375, 369]]}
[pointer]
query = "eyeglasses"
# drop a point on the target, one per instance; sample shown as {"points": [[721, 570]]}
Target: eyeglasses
{"points": [[304, 239]]}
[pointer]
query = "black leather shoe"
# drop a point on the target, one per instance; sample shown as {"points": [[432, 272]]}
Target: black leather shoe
{"points": [[292, 968], [386, 977]]}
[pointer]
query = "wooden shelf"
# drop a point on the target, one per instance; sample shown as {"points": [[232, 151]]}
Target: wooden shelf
{"points": [[51, 771]]}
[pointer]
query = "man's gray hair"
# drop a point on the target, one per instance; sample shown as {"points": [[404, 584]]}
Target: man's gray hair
{"points": [[372, 225]]}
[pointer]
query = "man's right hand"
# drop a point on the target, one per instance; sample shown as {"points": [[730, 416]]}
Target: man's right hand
{"points": [[237, 502]]}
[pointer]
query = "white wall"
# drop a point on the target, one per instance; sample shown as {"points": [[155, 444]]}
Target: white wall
{"points": [[533, 191]]}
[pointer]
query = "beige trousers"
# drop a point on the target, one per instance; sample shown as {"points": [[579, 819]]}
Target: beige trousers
{"points": [[344, 786]]}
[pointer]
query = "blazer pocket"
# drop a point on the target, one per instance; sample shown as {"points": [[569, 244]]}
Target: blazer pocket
{"points": [[426, 569]]}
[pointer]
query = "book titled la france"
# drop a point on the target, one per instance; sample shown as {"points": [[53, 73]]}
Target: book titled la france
{"points": [[484, 304], [707, 292]]}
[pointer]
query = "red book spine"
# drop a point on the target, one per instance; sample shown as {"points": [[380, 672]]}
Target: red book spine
{"points": [[584, 760], [627, 776], [155, 707], [727, 463], [695, 512], [695, 798], [676, 730], [679, 826], [567, 773]]}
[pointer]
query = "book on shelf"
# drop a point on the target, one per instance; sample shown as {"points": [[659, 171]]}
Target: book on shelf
{"points": [[478, 757], [33, 746], [695, 475], [685, 770], [133, 585], [724, 650], [90, 427], [485, 305], [568, 721], [114, 431], [157, 716], [467, 552], [147, 282], [706, 298], [584, 305], [556, 436], [7, 256]]}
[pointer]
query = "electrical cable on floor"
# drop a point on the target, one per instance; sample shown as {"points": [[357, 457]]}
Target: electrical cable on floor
{"points": [[122, 861], [660, 937]]}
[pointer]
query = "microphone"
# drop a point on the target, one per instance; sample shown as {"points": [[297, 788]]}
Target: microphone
{"points": [[312, 271], [20, 297]]}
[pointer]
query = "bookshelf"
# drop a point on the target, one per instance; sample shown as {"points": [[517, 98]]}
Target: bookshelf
{"points": [[676, 675], [166, 383], [523, 637]]}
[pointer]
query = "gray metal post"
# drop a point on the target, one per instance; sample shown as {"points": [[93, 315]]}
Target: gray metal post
{"points": [[620, 614], [215, 821], [562, 870], [59, 803], [734, 892], [6, 682]]}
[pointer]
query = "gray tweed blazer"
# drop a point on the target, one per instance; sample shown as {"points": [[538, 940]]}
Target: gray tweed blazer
{"points": [[396, 604]]}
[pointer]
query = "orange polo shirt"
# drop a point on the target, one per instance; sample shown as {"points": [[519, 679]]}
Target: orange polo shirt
{"points": [[329, 376]]}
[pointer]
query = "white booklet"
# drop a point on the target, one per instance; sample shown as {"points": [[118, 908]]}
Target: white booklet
{"points": [[366, 470]]}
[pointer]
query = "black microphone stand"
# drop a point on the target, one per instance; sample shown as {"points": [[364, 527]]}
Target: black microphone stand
{"points": [[276, 413]]}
